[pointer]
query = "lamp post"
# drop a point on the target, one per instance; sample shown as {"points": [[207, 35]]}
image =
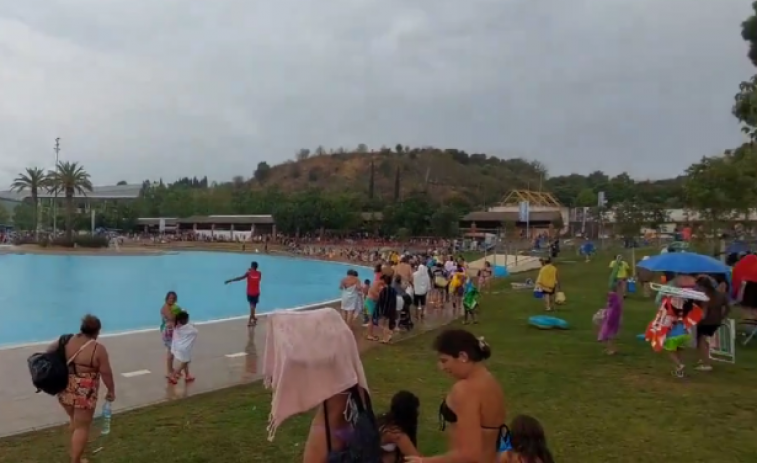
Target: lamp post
{"points": [[55, 193]]}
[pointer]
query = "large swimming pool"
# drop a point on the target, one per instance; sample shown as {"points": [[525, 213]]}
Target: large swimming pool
{"points": [[42, 297]]}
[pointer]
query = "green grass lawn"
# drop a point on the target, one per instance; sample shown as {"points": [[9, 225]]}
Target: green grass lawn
{"points": [[596, 409]]}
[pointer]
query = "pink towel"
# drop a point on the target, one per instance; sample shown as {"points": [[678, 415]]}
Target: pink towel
{"points": [[310, 356]]}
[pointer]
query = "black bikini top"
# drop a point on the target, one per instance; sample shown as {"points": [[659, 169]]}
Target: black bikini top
{"points": [[447, 415]]}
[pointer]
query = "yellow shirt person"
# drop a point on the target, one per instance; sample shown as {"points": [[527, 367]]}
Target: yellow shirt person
{"points": [[624, 270], [547, 279]]}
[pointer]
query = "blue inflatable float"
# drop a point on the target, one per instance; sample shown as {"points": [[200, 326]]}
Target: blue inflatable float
{"points": [[544, 322], [500, 271]]}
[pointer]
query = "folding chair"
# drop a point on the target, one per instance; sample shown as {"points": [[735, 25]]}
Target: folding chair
{"points": [[749, 327]]}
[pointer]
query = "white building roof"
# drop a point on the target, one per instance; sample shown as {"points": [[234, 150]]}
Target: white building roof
{"points": [[99, 192]]}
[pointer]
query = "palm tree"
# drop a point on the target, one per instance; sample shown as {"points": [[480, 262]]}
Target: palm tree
{"points": [[70, 178], [33, 180]]}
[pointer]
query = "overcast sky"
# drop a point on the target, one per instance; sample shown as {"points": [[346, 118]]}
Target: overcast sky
{"points": [[166, 88]]}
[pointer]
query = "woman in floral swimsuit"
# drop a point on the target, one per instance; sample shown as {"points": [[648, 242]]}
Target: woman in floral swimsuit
{"points": [[88, 363]]}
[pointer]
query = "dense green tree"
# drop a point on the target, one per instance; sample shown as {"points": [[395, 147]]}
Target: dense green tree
{"points": [[262, 172], [69, 179], [5, 215], [444, 222], [33, 180], [24, 216], [630, 217]]}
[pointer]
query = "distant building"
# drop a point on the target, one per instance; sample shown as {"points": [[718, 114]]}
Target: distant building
{"points": [[229, 227], [544, 212], [83, 203]]}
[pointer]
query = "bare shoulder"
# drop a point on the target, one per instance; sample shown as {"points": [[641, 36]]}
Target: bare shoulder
{"points": [[462, 386], [102, 351]]}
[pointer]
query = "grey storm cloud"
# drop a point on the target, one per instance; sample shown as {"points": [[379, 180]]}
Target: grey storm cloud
{"points": [[166, 88]]}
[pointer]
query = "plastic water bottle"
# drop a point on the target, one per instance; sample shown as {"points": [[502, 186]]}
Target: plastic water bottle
{"points": [[106, 416]]}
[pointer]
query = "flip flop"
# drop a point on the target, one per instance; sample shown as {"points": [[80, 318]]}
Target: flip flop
{"points": [[189, 379]]}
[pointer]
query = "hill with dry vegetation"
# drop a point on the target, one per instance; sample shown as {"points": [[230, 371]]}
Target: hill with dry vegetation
{"points": [[447, 175]]}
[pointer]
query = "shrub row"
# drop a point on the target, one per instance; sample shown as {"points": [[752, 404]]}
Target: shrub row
{"points": [[83, 241]]}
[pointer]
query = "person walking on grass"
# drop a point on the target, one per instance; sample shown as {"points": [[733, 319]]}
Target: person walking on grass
{"points": [[610, 321], [716, 309], [547, 282], [253, 277]]}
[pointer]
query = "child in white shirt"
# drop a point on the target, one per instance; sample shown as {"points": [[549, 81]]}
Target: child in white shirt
{"points": [[184, 337]]}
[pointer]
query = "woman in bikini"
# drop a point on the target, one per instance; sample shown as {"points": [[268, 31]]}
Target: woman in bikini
{"points": [[168, 317], [88, 363], [474, 410], [485, 277]]}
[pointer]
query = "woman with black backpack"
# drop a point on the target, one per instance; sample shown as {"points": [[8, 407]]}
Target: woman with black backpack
{"points": [[88, 364]]}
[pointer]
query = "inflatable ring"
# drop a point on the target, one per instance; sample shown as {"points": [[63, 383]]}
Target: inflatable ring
{"points": [[544, 322]]}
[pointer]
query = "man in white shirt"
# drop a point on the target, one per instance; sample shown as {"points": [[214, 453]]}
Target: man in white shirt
{"points": [[421, 287]]}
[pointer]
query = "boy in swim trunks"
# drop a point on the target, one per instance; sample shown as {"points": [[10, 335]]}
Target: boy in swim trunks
{"points": [[253, 277]]}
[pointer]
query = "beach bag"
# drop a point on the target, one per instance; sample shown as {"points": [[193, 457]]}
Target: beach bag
{"points": [[599, 316], [49, 370], [365, 444]]}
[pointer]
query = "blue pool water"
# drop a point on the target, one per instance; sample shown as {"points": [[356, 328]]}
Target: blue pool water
{"points": [[42, 297]]}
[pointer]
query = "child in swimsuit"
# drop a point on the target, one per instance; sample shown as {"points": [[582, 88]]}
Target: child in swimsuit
{"points": [[527, 442]]}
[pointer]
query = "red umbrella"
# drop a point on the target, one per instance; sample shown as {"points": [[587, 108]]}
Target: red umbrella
{"points": [[744, 270]]}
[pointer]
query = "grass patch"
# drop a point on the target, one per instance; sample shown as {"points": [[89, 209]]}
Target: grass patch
{"points": [[596, 409]]}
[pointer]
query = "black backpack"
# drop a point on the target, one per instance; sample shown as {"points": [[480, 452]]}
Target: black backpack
{"points": [[365, 444], [49, 370]]}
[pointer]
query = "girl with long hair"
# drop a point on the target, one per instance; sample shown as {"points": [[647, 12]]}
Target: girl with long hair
{"points": [[399, 428], [529, 444]]}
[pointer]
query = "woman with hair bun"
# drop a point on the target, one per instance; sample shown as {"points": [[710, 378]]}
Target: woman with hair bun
{"points": [[473, 412]]}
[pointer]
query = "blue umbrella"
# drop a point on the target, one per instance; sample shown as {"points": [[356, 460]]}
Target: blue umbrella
{"points": [[684, 262]]}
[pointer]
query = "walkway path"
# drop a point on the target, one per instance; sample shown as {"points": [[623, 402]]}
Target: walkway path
{"points": [[226, 355]]}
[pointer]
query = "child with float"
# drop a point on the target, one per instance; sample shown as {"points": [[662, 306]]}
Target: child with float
{"points": [[671, 330]]}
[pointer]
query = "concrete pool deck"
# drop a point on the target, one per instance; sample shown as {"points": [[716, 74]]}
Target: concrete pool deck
{"points": [[226, 355]]}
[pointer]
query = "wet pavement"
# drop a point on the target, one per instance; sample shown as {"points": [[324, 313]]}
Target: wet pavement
{"points": [[226, 354]]}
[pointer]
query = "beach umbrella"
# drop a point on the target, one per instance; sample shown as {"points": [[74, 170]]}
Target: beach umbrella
{"points": [[684, 262]]}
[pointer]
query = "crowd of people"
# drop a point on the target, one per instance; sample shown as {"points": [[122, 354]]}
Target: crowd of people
{"points": [[404, 288], [692, 307]]}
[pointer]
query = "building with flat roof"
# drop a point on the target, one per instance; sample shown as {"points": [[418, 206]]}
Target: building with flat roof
{"points": [[230, 227], [98, 192]]}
